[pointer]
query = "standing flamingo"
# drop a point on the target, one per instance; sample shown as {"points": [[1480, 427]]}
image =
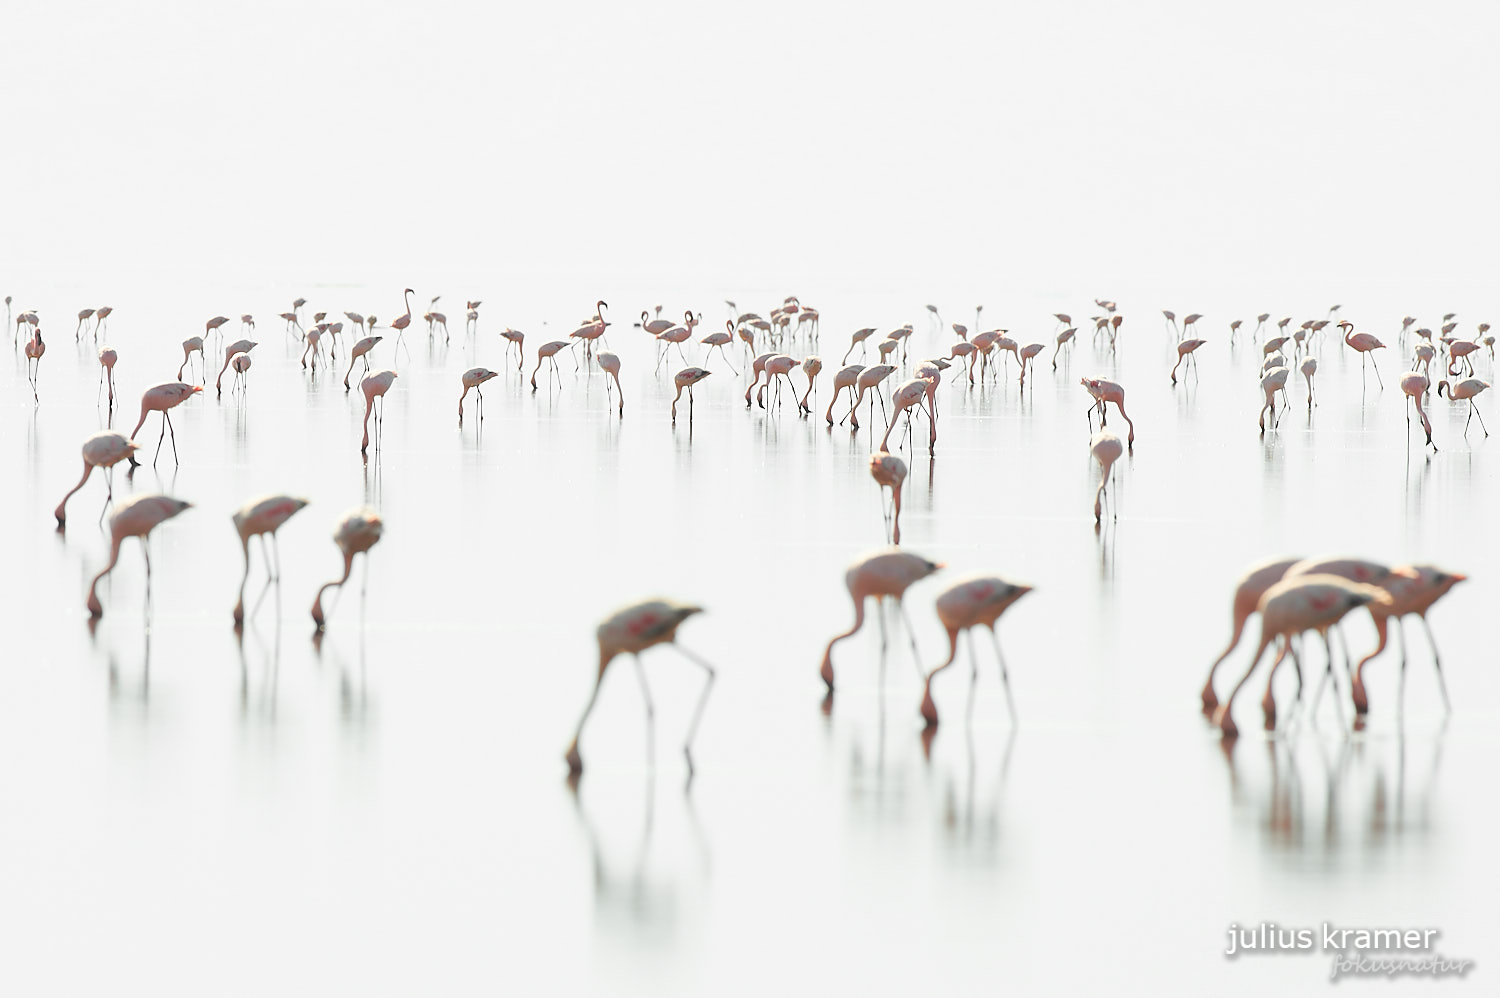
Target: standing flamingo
{"points": [[515, 338], [101, 317], [357, 532], [974, 601], [241, 366], [401, 322], [718, 341], [882, 574], [869, 379], [889, 472], [1248, 591], [261, 517], [609, 363], [1185, 352], [811, 366], [1414, 386], [630, 631], [238, 346], [1364, 343], [83, 316], [191, 345], [162, 398], [375, 386], [135, 517], [907, 394], [858, 340], [101, 450], [1294, 605], [361, 348], [1465, 391], [548, 352], [778, 366], [107, 359], [1412, 589], [1273, 381], [1104, 392], [473, 378], [1309, 368], [34, 350], [1106, 448], [845, 377], [685, 379]]}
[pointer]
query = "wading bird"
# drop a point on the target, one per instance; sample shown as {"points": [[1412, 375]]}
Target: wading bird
{"points": [[190, 346], [261, 517], [162, 398], [1412, 589], [374, 386], [1465, 391], [1104, 392], [844, 377], [685, 379], [1364, 343], [1414, 386], [548, 352], [889, 472], [975, 601], [1106, 448], [357, 532], [135, 517], [1271, 382], [630, 631], [883, 574], [609, 363], [101, 450], [107, 359], [361, 349], [1185, 352], [1247, 594], [238, 346], [473, 378]]}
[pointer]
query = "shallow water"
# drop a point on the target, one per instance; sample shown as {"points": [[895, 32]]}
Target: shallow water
{"points": [[386, 809]]}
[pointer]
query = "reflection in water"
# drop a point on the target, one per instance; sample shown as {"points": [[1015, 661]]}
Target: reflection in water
{"points": [[261, 705], [1371, 780]]}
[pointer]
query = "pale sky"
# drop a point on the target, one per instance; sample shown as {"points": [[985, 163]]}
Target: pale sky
{"points": [[1063, 145]]}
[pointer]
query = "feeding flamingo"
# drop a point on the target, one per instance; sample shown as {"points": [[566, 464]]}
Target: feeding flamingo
{"points": [[1414, 386], [375, 386], [845, 377], [357, 532], [610, 364], [1106, 448], [473, 378], [882, 574], [135, 517], [1185, 352], [1412, 589], [548, 352], [361, 348], [101, 450], [107, 359], [974, 601], [238, 346], [260, 517], [889, 472], [162, 398], [1248, 591], [191, 345], [685, 379], [1103, 392]]}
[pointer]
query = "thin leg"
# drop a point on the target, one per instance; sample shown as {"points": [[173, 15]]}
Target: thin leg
{"points": [[912, 635], [1010, 701], [687, 746], [650, 710], [1437, 664]]}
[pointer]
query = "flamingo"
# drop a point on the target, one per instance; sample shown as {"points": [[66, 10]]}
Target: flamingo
{"points": [[658, 326], [101, 450], [960, 330], [34, 350], [1294, 605], [1171, 318], [1412, 589], [718, 341], [356, 320], [757, 368], [471, 316], [889, 472], [135, 517], [290, 318], [778, 366], [1465, 391], [238, 346], [1106, 448], [630, 631], [845, 377], [674, 336], [83, 316], [375, 386], [473, 378], [313, 345], [1364, 343], [401, 322], [1248, 590], [973, 601], [515, 338], [247, 321], [1063, 339], [881, 574], [261, 517], [214, 323], [101, 317], [1459, 350], [162, 398], [965, 350], [191, 345], [1185, 352], [907, 394], [107, 359], [357, 532], [1260, 321], [361, 348], [858, 340], [548, 351], [811, 366], [868, 379], [241, 365], [609, 363], [1272, 382], [685, 379], [1309, 368], [931, 374], [1414, 386], [1104, 392]]}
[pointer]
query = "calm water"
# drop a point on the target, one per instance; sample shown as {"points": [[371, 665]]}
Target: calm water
{"points": [[387, 811]]}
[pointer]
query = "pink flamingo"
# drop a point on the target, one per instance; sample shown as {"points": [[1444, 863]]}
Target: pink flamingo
{"points": [[241, 366], [610, 364], [357, 532], [1271, 382], [1364, 343], [361, 348], [965, 350], [1106, 448], [1412, 589], [1309, 368], [685, 379], [718, 341], [401, 322], [1414, 386], [907, 394], [974, 601], [162, 398], [34, 350], [886, 573], [811, 366], [1063, 339], [889, 472], [107, 359], [135, 517], [757, 368], [1027, 358], [778, 366], [858, 340], [213, 324], [190, 346], [1294, 605], [83, 316], [1465, 391], [1247, 595], [473, 378], [238, 346], [869, 379], [515, 338], [1185, 352], [630, 631], [548, 352], [845, 377], [1104, 392], [375, 386], [101, 450], [261, 517]]}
